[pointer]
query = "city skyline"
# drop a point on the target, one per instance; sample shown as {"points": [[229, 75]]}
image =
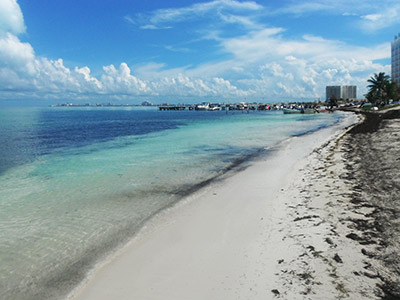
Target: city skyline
{"points": [[186, 50]]}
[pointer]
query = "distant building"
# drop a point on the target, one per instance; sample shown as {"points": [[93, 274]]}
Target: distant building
{"points": [[396, 59], [349, 92], [333, 91]]}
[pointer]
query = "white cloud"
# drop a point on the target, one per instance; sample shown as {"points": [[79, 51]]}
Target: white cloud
{"points": [[130, 20], [372, 17], [88, 80], [277, 70], [383, 17], [216, 8], [11, 19], [226, 88], [289, 69], [185, 86], [22, 71], [177, 14], [369, 15], [154, 27], [338, 7], [266, 64], [290, 58], [121, 81], [269, 44], [306, 7], [16, 55], [349, 14], [149, 26], [241, 20], [293, 68], [263, 63]]}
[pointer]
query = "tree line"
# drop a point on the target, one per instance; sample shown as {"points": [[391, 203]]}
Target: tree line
{"points": [[381, 89]]}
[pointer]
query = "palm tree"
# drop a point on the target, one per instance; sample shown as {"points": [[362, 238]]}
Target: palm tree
{"points": [[379, 88]]}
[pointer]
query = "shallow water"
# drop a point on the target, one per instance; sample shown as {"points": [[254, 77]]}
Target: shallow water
{"points": [[76, 182]]}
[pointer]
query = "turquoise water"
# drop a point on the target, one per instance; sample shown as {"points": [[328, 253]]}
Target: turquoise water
{"points": [[77, 182]]}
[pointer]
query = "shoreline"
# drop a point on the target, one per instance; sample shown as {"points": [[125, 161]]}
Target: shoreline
{"points": [[214, 199]]}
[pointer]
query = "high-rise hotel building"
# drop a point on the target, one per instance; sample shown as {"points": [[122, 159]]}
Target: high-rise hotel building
{"points": [[349, 92], [396, 59], [346, 92], [333, 91]]}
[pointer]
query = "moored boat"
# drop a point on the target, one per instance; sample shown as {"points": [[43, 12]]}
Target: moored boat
{"points": [[203, 106], [299, 111], [291, 111]]}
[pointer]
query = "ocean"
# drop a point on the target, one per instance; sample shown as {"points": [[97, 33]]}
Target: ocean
{"points": [[76, 183]]}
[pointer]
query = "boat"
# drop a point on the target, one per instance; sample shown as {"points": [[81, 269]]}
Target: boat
{"points": [[203, 106], [206, 106], [299, 111], [291, 111]]}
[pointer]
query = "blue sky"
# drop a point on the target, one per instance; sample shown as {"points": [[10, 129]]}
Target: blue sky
{"points": [[183, 51]]}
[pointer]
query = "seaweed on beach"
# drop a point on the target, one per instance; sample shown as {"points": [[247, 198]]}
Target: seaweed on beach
{"points": [[372, 164]]}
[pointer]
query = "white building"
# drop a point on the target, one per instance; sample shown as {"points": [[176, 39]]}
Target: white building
{"points": [[396, 59], [349, 92]]}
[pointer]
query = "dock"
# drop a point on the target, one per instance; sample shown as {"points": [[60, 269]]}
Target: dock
{"points": [[171, 107], [214, 107]]}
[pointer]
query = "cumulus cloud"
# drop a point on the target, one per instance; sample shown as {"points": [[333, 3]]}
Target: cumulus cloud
{"points": [[22, 71], [87, 79], [282, 67], [185, 86], [225, 87], [263, 63], [16, 55], [11, 19], [121, 81]]}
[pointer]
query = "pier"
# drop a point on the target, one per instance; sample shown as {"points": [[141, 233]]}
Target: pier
{"points": [[213, 107], [171, 107]]}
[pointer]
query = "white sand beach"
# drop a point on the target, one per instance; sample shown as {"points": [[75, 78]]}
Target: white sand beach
{"points": [[261, 233]]}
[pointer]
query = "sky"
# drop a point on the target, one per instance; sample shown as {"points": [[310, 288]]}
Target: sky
{"points": [[129, 51]]}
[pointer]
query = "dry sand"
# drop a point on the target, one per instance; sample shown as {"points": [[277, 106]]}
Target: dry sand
{"points": [[285, 227]]}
